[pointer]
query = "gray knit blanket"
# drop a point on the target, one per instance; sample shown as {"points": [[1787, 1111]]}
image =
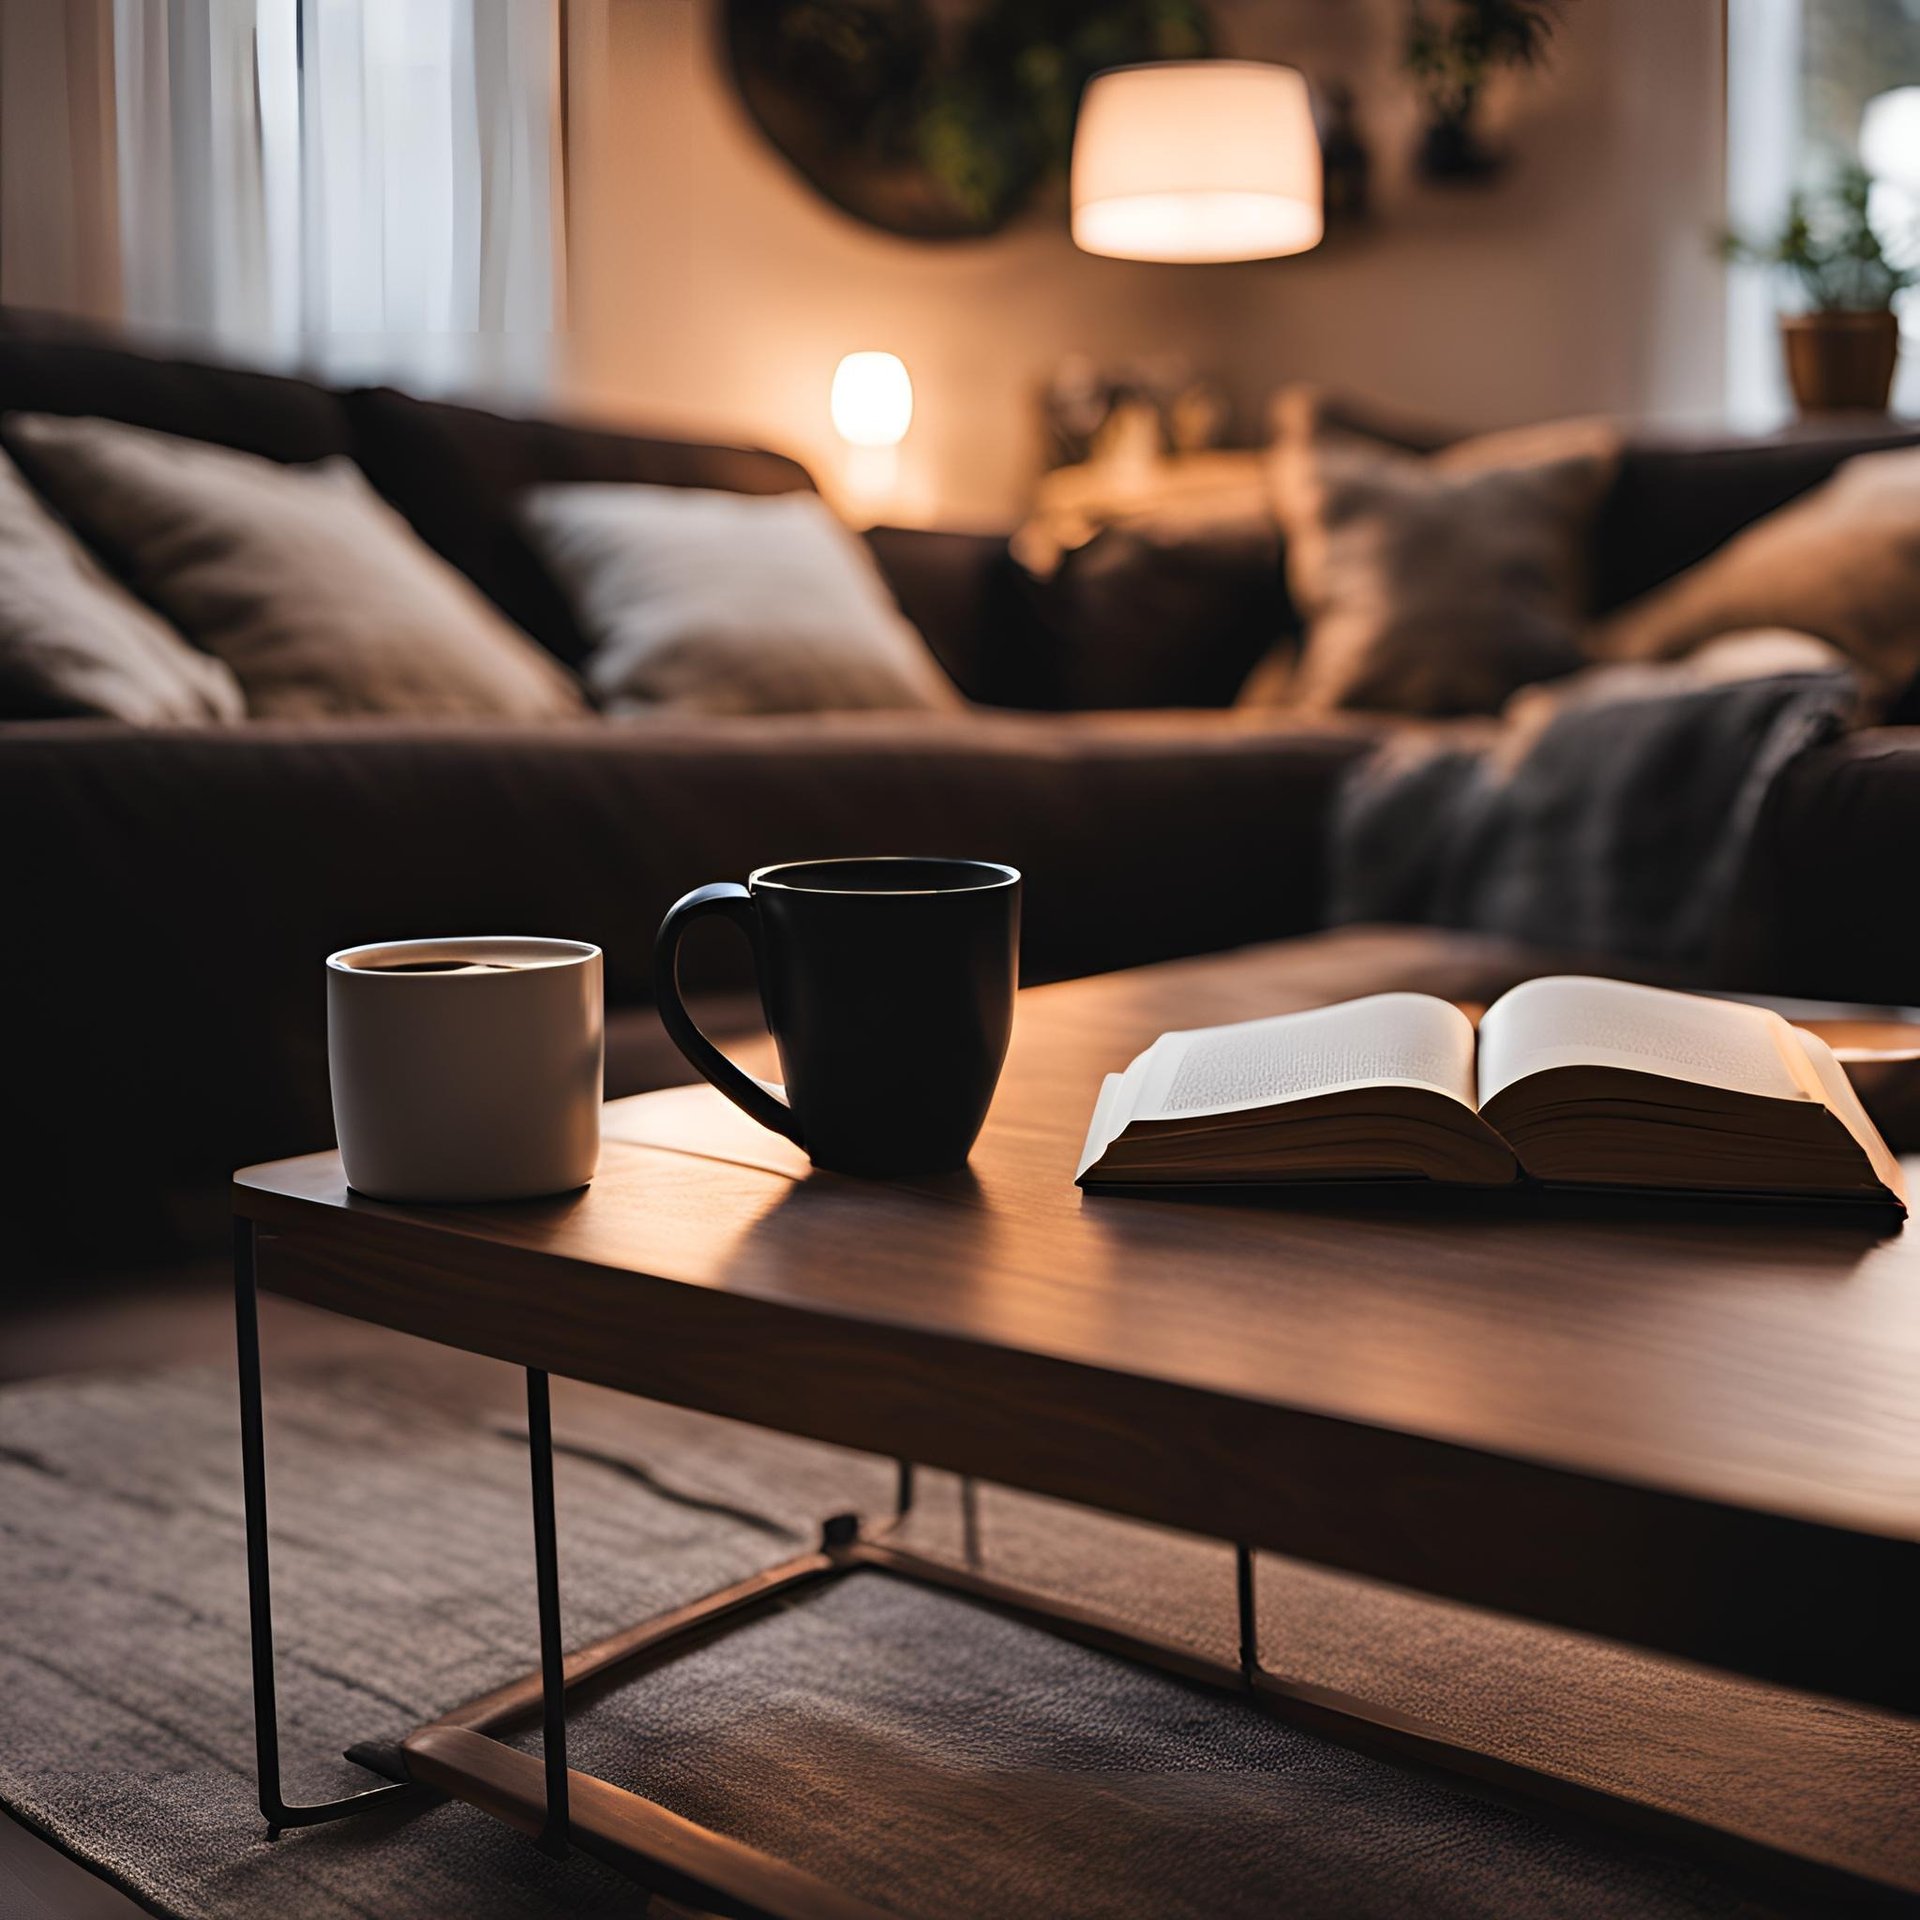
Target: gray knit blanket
{"points": [[1612, 811]]}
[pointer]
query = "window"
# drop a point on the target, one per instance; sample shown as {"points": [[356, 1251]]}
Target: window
{"points": [[365, 187], [1811, 85]]}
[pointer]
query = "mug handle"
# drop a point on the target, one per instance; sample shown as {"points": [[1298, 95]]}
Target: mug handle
{"points": [[761, 1100]]}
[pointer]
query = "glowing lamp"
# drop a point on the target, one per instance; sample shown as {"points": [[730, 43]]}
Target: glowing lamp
{"points": [[1196, 160], [872, 400]]}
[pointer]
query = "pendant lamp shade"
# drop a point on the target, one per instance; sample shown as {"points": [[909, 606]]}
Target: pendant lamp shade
{"points": [[1196, 160]]}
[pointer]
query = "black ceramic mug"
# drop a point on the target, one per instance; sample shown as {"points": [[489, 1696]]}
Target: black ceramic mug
{"points": [[888, 986]]}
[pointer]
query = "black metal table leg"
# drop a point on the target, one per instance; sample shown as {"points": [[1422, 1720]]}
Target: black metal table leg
{"points": [[1246, 1614], [253, 1474], [546, 1564]]}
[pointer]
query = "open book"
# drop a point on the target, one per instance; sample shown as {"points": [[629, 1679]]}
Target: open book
{"points": [[1568, 1080]]}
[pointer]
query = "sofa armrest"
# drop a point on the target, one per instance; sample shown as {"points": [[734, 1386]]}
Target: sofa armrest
{"points": [[962, 591], [1827, 908]]}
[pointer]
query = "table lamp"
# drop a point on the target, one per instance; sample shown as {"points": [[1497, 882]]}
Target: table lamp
{"points": [[871, 402]]}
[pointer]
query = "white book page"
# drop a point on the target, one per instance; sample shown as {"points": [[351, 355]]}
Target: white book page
{"points": [[1111, 1112], [1387, 1039], [1851, 1114], [1572, 1020]]}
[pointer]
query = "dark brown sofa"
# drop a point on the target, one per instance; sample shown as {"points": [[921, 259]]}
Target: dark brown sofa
{"points": [[171, 893]]}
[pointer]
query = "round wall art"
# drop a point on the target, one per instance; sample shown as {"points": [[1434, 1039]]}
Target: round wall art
{"points": [[938, 119]]}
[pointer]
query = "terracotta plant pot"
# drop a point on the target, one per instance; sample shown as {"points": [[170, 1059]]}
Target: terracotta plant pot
{"points": [[1841, 362]]}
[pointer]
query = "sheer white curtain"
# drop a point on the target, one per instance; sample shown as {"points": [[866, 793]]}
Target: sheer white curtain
{"points": [[365, 187]]}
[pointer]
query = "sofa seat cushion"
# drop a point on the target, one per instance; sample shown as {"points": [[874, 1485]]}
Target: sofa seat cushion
{"points": [[458, 474], [312, 589], [724, 603], [273, 844]]}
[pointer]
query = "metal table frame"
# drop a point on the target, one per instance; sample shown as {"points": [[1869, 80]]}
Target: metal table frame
{"points": [[462, 1754]]}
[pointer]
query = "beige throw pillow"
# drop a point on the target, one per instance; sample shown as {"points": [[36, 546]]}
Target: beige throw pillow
{"points": [[75, 642], [1842, 562], [729, 603], [314, 591], [1431, 584]]}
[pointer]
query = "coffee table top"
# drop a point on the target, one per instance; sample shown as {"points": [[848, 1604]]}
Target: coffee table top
{"points": [[1694, 1428]]}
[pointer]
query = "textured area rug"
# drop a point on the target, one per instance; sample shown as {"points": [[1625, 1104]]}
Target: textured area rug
{"points": [[912, 1747]]}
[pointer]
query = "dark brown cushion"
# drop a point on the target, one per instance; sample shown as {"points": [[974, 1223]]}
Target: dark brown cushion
{"points": [[1163, 612], [965, 594], [312, 589], [458, 474], [1431, 584]]}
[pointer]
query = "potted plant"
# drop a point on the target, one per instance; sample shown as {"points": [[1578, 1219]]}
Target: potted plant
{"points": [[1841, 351], [1453, 49]]}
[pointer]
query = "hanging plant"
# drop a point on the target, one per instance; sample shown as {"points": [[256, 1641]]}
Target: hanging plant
{"points": [[1453, 48], [934, 127]]}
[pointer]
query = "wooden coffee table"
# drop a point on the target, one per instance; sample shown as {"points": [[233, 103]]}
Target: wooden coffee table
{"points": [[1693, 1430]]}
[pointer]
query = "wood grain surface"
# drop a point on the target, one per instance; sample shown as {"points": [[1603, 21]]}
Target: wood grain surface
{"points": [[1697, 1429]]}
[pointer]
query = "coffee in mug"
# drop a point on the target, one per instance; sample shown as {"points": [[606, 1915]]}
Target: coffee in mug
{"points": [[466, 1069], [888, 986]]}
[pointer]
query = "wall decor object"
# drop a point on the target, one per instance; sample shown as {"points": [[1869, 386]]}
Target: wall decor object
{"points": [[1842, 348], [938, 119], [1454, 47]]}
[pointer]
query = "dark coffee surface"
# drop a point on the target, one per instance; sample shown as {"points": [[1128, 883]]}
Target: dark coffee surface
{"points": [[439, 966]]}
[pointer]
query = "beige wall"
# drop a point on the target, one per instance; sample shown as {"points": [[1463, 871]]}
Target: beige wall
{"points": [[713, 291], [58, 223]]}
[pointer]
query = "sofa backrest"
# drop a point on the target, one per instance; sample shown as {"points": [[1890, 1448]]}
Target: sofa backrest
{"points": [[456, 473], [453, 471], [1676, 500], [53, 365]]}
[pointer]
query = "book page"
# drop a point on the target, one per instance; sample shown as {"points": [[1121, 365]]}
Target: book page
{"points": [[1572, 1020], [1110, 1114], [1845, 1105], [1385, 1039]]}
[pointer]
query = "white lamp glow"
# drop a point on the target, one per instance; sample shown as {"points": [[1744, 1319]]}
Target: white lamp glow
{"points": [[1890, 138], [1196, 160], [872, 400]]}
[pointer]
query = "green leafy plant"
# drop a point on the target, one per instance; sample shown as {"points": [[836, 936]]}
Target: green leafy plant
{"points": [[999, 118], [1455, 46], [1827, 244]]}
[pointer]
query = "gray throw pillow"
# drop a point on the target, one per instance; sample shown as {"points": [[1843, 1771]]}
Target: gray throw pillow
{"points": [[729, 603], [1841, 562], [311, 588], [1432, 584], [75, 642]]}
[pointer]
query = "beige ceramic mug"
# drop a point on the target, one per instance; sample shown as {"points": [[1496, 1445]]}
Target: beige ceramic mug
{"points": [[466, 1069]]}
